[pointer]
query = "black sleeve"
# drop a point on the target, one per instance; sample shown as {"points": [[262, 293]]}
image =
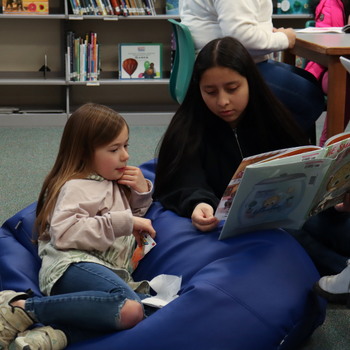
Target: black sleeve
{"points": [[334, 215], [187, 188]]}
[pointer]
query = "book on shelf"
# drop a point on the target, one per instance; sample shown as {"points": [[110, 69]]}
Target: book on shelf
{"points": [[293, 7], [112, 7], [172, 7], [140, 61], [283, 188], [313, 30], [83, 57], [23, 7]]}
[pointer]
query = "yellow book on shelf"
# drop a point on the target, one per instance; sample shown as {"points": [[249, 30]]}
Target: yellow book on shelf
{"points": [[23, 7]]}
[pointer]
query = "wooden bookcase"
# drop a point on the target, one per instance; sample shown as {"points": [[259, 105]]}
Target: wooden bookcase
{"points": [[50, 100]]}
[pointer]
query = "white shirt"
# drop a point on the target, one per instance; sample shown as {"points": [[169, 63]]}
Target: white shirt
{"points": [[249, 21]]}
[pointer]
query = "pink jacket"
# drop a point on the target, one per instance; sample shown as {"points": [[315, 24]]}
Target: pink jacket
{"points": [[329, 13]]}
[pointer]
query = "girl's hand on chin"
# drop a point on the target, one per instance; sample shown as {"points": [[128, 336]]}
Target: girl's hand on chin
{"points": [[203, 217], [134, 178]]}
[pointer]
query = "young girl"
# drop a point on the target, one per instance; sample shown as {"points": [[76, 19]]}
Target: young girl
{"points": [[329, 13], [88, 218], [228, 113]]}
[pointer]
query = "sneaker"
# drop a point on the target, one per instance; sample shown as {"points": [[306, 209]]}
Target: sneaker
{"points": [[42, 338], [335, 288], [13, 319]]}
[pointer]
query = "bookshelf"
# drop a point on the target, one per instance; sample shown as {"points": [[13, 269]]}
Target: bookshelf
{"points": [[49, 101]]}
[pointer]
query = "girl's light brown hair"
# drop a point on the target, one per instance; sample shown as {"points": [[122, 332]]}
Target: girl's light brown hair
{"points": [[88, 128]]}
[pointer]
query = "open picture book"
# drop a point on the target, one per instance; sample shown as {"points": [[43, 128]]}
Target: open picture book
{"points": [[311, 30], [283, 188]]}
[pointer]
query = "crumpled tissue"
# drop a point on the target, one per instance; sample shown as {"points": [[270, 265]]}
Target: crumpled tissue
{"points": [[166, 287]]}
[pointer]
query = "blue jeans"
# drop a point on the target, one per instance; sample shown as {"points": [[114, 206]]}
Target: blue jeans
{"points": [[297, 89], [326, 239], [85, 302]]}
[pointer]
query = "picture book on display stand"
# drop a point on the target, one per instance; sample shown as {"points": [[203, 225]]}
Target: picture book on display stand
{"points": [[140, 61], [23, 7], [282, 189]]}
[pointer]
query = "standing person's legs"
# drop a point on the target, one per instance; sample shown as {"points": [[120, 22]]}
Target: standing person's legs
{"points": [[87, 301], [297, 89]]}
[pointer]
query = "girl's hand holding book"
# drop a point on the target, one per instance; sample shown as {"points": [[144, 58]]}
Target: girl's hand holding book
{"points": [[134, 178]]}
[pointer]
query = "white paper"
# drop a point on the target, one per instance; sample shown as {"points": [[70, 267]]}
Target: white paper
{"points": [[166, 287]]}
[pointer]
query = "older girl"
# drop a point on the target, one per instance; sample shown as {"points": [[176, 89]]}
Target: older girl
{"points": [[229, 113]]}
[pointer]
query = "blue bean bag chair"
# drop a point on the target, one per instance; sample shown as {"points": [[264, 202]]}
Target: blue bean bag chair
{"points": [[251, 292]]}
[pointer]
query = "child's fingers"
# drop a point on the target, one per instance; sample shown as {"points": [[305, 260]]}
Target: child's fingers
{"points": [[138, 239]]}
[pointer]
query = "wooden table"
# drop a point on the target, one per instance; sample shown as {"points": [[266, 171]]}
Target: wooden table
{"points": [[326, 49]]}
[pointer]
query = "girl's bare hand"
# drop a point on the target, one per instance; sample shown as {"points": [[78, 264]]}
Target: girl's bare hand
{"points": [[203, 218], [142, 224], [345, 206], [134, 178]]}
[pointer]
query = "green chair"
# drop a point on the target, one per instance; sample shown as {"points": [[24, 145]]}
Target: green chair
{"points": [[184, 60]]}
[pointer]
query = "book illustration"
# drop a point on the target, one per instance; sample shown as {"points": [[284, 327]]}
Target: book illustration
{"points": [[26, 7], [172, 7], [335, 185], [147, 244], [285, 188], [278, 195], [140, 61], [149, 72], [230, 192], [130, 65]]}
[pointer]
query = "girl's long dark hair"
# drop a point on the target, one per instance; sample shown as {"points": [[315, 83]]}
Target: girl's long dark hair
{"points": [[187, 128]]}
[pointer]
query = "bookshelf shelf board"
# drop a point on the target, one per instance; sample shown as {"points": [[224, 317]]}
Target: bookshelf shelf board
{"points": [[122, 18], [32, 82], [31, 78], [296, 16], [122, 82], [15, 16]]}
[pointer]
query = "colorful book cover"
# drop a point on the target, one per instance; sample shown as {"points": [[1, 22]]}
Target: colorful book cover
{"points": [[24, 7], [139, 253], [172, 7], [293, 7], [140, 61]]}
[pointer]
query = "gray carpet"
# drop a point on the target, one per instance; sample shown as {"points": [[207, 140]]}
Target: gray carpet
{"points": [[27, 154]]}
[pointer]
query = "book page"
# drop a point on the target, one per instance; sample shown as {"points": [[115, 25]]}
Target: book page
{"points": [[274, 196], [230, 192], [312, 30], [335, 184], [339, 139]]}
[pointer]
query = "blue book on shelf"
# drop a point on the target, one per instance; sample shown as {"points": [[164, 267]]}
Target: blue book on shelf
{"points": [[172, 7]]}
